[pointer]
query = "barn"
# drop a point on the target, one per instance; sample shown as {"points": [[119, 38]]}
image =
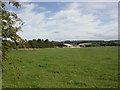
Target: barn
{"points": [[84, 44], [68, 45]]}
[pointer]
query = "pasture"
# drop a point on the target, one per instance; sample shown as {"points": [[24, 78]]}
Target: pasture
{"points": [[95, 67]]}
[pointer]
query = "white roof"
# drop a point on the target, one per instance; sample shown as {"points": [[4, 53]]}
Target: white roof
{"points": [[68, 44]]}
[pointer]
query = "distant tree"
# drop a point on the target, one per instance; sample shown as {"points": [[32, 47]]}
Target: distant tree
{"points": [[35, 44], [46, 43], [40, 43], [52, 44], [26, 44], [30, 43]]}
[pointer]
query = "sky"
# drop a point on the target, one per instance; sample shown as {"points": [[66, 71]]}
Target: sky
{"points": [[60, 21]]}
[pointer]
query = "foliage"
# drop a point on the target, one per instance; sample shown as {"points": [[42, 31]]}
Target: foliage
{"points": [[9, 29], [40, 43]]}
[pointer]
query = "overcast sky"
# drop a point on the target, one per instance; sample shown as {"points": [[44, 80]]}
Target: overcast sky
{"points": [[69, 20]]}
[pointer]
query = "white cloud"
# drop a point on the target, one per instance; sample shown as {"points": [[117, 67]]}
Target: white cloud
{"points": [[68, 0], [69, 23], [42, 8]]}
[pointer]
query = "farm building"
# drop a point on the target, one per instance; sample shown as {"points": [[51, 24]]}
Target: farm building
{"points": [[84, 44], [65, 45], [70, 46]]}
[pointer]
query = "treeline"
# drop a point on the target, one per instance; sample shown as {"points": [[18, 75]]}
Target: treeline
{"points": [[40, 43], [94, 43]]}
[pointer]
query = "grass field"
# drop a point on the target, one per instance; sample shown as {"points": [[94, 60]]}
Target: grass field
{"points": [[62, 68]]}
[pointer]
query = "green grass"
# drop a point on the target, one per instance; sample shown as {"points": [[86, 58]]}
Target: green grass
{"points": [[62, 68]]}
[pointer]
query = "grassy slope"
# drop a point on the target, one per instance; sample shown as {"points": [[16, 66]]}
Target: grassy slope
{"points": [[68, 68]]}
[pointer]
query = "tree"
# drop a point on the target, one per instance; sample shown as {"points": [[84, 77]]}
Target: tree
{"points": [[39, 43], [7, 26]]}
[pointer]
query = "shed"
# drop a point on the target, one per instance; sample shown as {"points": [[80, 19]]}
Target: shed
{"points": [[84, 44]]}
